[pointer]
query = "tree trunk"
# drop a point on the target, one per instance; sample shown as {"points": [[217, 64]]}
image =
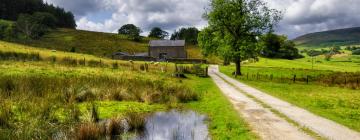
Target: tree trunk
{"points": [[226, 62], [238, 67]]}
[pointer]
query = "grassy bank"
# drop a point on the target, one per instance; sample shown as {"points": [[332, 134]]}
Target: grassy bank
{"points": [[224, 121], [338, 104]]}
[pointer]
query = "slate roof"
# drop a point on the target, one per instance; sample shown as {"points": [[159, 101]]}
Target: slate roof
{"points": [[121, 53], [167, 43]]}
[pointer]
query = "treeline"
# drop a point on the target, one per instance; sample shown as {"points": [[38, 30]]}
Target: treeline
{"points": [[190, 34], [12, 9], [278, 46]]}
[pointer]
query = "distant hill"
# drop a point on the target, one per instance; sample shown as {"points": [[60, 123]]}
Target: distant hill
{"points": [[339, 37]]}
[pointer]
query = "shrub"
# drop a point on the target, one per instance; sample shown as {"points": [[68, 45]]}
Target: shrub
{"points": [[313, 53], [356, 52]]}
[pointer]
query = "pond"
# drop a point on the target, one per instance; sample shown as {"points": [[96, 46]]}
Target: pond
{"points": [[172, 125], [175, 125]]}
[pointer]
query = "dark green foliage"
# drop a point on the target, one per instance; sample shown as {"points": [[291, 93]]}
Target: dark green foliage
{"points": [[36, 25], [352, 48], [45, 19], [275, 46], [11, 10], [190, 35], [313, 53], [356, 52], [73, 49], [158, 33], [131, 31], [7, 30], [234, 27]]}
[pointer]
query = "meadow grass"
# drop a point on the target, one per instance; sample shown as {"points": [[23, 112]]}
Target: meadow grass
{"points": [[87, 42], [37, 94], [338, 104], [224, 121], [95, 43], [76, 59], [339, 63]]}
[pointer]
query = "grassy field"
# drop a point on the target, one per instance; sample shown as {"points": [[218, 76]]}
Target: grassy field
{"points": [[335, 103], [343, 63], [43, 99]]}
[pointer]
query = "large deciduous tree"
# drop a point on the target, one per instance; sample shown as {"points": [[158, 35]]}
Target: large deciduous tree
{"points": [[157, 32], [190, 35], [131, 31], [234, 28]]}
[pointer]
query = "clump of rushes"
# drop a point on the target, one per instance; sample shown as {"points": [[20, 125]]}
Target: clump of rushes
{"points": [[5, 115], [7, 85], [88, 131], [94, 114], [115, 65], [69, 61], [114, 127], [136, 121]]}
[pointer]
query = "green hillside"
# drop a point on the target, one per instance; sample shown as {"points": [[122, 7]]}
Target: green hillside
{"points": [[95, 43], [340, 37]]}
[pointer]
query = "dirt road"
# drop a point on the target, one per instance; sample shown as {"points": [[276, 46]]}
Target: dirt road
{"points": [[265, 123], [270, 126]]}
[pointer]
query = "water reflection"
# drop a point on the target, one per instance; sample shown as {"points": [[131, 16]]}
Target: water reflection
{"points": [[174, 125]]}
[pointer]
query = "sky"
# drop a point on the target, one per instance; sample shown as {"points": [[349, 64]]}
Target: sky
{"points": [[299, 16]]}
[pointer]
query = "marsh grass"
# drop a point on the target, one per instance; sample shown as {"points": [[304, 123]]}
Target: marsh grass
{"points": [[17, 56], [88, 131], [136, 121], [42, 105]]}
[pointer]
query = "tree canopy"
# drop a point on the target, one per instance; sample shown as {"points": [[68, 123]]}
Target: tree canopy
{"points": [[234, 28], [12, 9], [190, 35], [36, 25], [277, 46], [157, 32], [131, 31]]}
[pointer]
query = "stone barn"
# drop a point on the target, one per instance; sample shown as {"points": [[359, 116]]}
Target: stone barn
{"points": [[164, 49]]}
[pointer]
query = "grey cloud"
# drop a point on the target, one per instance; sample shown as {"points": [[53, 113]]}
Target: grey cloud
{"points": [[78, 7], [306, 16], [300, 16]]}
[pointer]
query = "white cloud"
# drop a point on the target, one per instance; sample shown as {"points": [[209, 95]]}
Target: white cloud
{"points": [[300, 16]]}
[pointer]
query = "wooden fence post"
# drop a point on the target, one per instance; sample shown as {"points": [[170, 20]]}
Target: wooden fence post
{"points": [[307, 79]]}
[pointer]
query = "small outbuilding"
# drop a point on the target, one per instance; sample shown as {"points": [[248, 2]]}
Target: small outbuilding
{"points": [[164, 49]]}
